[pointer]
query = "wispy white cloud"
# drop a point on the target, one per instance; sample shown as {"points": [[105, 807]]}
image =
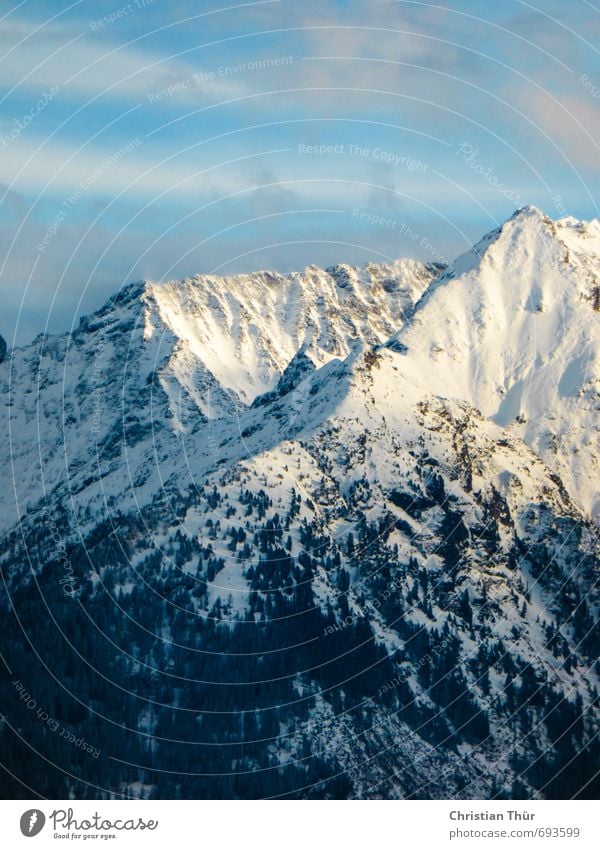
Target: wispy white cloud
{"points": [[69, 56]]}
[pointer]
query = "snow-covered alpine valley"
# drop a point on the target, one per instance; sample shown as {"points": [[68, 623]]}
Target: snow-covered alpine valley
{"points": [[331, 534]]}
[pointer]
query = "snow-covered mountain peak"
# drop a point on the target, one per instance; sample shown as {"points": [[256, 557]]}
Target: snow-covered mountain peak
{"points": [[245, 329], [380, 547], [529, 212], [531, 233], [526, 227], [514, 334], [513, 330]]}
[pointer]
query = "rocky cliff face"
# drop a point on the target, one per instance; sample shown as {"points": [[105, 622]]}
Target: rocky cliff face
{"points": [[324, 535]]}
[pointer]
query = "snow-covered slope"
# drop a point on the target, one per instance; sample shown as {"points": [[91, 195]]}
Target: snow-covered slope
{"points": [[323, 535], [514, 328], [246, 329], [160, 359]]}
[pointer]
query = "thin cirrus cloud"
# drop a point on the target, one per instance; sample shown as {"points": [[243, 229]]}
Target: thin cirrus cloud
{"points": [[80, 65], [55, 168], [223, 104]]}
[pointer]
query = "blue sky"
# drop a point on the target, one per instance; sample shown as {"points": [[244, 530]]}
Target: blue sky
{"points": [[164, 139]]}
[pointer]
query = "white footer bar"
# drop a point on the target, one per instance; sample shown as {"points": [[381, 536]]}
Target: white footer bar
{"points": [[301, 825]]}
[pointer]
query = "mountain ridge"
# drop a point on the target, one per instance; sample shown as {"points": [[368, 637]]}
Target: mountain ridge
{"points": [[320, 559]]}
